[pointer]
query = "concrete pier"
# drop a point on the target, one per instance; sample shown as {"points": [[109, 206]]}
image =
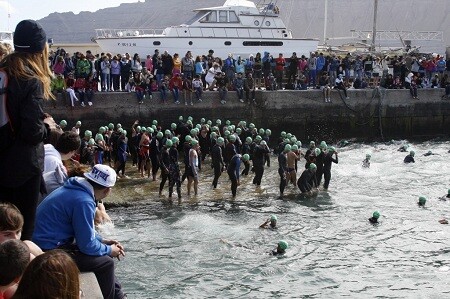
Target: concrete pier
{"points": [[369, 114], [89, 286]]}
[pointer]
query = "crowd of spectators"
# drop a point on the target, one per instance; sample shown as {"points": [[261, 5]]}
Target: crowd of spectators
{"points": [[81, 75]]}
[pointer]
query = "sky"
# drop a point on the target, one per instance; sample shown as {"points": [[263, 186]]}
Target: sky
{"points": [[18, 10]]}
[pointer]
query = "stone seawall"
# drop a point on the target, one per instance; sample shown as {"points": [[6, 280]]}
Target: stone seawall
{"points": [[370, 114]]}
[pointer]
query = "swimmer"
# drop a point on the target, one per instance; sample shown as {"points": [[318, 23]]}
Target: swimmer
{"points": [[410, 158], [445, 197], [281, 248], [374, 218], [366, 161], [270, 223], [422, 201], [307, 180], [404, 148], [429, 153]]}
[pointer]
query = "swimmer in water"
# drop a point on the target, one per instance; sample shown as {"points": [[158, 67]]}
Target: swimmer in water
{"points": [[366, 161], [429, 153], [410, 158], [270, 223], [422, 201], [307, 180], [445, 197], [374, 218], [404, 148], [281, 248]]}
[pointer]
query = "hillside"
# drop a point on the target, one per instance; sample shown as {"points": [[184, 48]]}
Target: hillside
{"points": [[304, 17]]}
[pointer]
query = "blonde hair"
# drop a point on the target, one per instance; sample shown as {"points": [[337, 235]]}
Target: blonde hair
{"points": [[27, 66], [5, 49]]}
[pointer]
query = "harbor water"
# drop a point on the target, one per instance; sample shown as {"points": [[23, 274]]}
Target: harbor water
{"points": [[211, 246]]}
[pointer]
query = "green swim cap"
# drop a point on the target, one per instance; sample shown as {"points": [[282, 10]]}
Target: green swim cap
{"points": [[368, 156], [102, 130], [63, 123], [251, 126], [198, 126], [194, 142], [331, 149], [189, 122], [317, 151], [227, 122], [376, 215], [138, 128], [173, 126], [193, 132], [283, 245], [78, 123], [248, 140], [268, 132], [167, 132], [232, 138], [218, 122], [258, 138], [287, 148], [202, 120], [226, 133], [124, 132], [289, 135], [159, 135], [190, 118], [220, 140], [299, 143], [323, 144], [155, 122], [180, 118], [91, 141], [312, 166], [215, 129], [283, 134], [246, 157], [169, 143], [209, 122], [175, 140], [294, 147], [119, 126], [213, 135], [262, 131], [422, 200], [150, 130], [312, 143], [412, 153], [87, 133], [120, 130], [143, 129], [111, 126], [263, 142], [293, 140], [188, 138], [273, 217], [238, 131]]}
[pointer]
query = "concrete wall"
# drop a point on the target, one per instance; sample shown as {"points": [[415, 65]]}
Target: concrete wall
{"points": [[368, 114]]}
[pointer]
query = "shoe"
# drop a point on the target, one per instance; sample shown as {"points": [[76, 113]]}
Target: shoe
{"points": [[141, 102], [150, 97], [199, 100], [347, 98], [241, 100], [192, 104], [177, 102], [82, 104], [254, 101], [185, 103], [90, 103], [222, 102]]}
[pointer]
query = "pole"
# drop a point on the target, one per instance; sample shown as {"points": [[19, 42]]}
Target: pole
{"points": [[325, 23], [374, 29]]}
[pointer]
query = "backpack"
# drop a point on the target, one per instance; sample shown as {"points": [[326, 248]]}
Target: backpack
{"points": [[6, 127]]}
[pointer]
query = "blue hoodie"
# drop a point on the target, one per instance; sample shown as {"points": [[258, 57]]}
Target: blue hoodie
{"points": [[66, 216]]}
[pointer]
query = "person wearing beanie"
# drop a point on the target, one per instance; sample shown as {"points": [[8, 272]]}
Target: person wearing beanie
{"points": [[21, 143]]}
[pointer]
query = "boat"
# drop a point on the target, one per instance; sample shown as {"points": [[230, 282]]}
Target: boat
{"points": [[7, 37], [240, 27]]}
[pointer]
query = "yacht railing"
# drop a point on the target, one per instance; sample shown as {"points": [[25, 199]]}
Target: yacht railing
{"points": [[196, 32], [395, 35]]}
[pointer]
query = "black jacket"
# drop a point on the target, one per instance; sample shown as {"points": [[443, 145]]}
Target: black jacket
{"points": [[24, 157]]}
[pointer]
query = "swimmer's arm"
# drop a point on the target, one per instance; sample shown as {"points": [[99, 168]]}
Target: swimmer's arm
{"points": [[264, 225]]}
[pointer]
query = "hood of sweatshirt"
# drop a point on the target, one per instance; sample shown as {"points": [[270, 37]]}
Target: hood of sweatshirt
{"points": [[81, 184]]}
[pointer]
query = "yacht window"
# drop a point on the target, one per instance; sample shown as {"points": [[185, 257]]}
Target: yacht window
{"points": [[156, 43], [227, 43], [233, 17], [211, 17], [223, 17], [267, 23], [262, 43], [256, 23]]}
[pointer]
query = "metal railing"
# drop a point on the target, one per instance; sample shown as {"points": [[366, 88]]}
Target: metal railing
{"points": [[395, 35]]}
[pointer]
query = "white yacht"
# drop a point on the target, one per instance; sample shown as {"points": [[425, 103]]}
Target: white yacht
{"points": [[239, 27]]}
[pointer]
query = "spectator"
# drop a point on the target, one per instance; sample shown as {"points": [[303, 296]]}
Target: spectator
{"points": [[176, 86], [22, 160], [115, 73], [187, 89], [14, 259], [280, 62], [257, 68], [167, 63], [51, 275], [340, 85], [56, 230], [250, 87], [238, 84], [197, 86], [312, 67], [136, 66], [125, 69], [176, 69], [59, 66], [187, 65], [83, 68]]}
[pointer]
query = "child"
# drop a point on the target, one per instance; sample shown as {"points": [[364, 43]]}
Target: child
{"points": [[197, 86], [70, 83], [163, 88], [14, 259], [11, 223]]}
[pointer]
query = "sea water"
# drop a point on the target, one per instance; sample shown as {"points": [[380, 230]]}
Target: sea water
{"points": [[211, 246]]}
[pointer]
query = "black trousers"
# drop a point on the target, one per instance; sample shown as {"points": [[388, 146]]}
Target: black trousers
{"points": [[25, 198], [259, 171]]}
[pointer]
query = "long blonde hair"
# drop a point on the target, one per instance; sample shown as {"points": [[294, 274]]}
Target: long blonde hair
{"points": [[26, 66]]}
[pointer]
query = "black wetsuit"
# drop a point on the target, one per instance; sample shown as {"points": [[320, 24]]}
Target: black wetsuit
{"points": [[282, 169], [216, 163], [258, 163], [174, 172], [319, 163], [164, 162], [233, 172], [277, 252], [409, 159], [154, 155], [327, 162], [373, 220], [307, 181], [186, 149], [230, 151], [366, 163]]}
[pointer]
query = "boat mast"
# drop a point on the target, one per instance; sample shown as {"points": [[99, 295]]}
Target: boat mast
{"points": [[325, 23], [374, 29]]}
